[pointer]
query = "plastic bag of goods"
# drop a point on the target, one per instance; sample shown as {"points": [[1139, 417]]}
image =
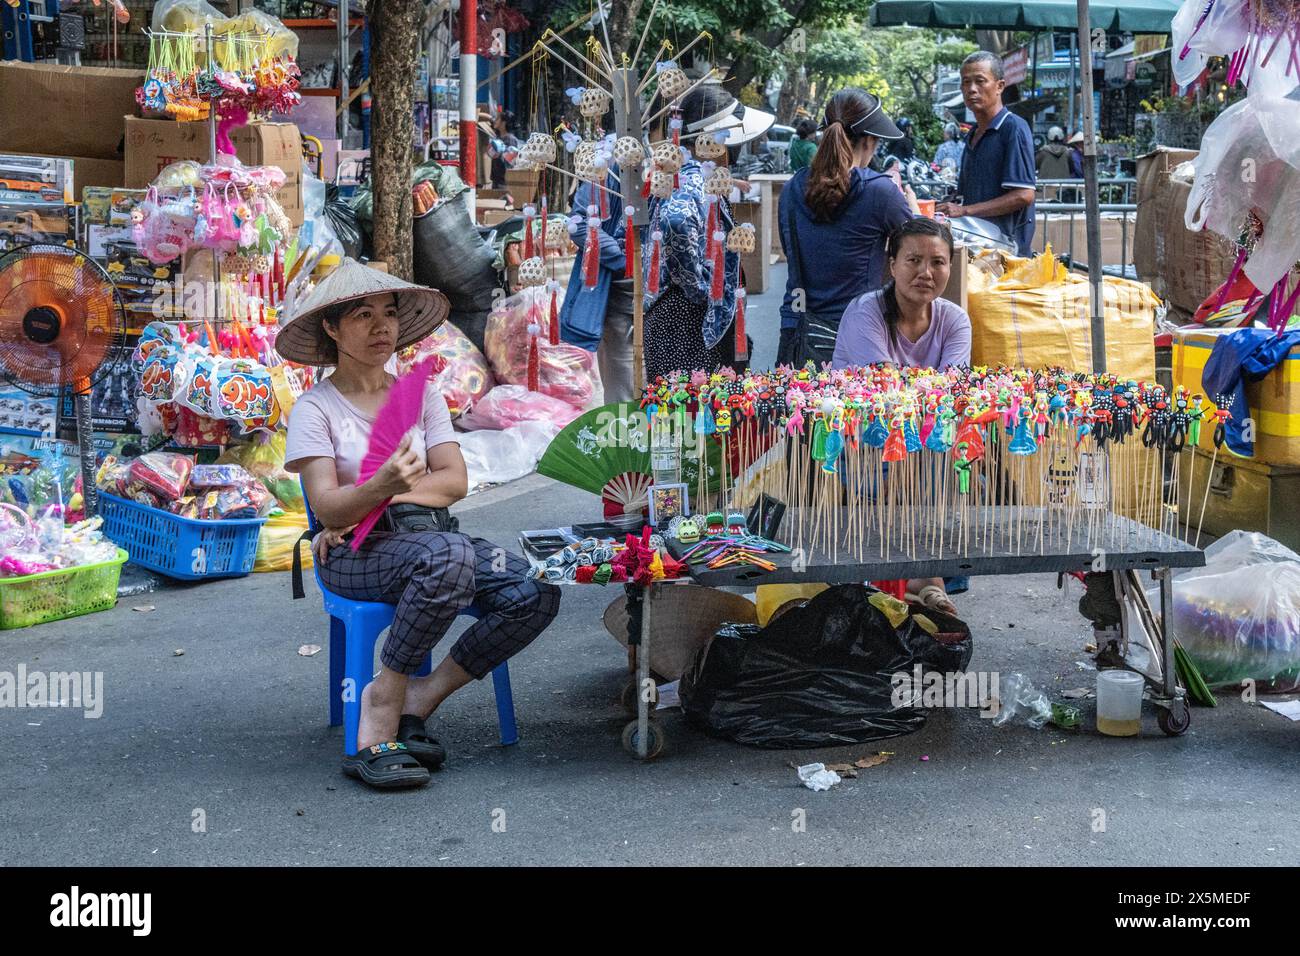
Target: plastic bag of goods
{"points": [[276, 542], [509, 405], [263, 458], [1239, 616], [564, 371], [826, 673], [464, 377]]}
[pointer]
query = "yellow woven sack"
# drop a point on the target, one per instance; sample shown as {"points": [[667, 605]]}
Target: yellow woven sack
{"points": [[1035, 314]]}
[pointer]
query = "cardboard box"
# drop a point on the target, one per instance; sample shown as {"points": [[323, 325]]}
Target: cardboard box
{"points": [[1274, 400], [522, 184], [55, 110], [1243, 494], [152, 145], [492, 215], [87, 171], [1152, 172], [1183, 267], [1069, 236]]}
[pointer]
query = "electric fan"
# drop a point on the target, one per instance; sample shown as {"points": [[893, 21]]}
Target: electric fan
{"points": [[62, 325]]}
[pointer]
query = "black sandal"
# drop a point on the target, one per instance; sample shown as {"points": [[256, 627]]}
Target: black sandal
{"points": [[386, 766], [412, 732]]}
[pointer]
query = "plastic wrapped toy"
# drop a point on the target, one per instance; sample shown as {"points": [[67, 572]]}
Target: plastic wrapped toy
{"points": [[564, 371], [464, 378], [166, 474], [508, 405], [215, 476]]}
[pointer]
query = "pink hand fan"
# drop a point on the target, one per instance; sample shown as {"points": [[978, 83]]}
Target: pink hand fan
{"points": [[403, 410]]}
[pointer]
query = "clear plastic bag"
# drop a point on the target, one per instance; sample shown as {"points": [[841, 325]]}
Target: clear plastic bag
{"points": [[1017, 696], [1237, 172], [492, 457], [464, 379], [565, 371], [1239, 616], [1223, 32], [509, 405]]}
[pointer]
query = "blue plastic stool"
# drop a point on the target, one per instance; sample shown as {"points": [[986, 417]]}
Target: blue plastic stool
{"points": [[355, 626]]}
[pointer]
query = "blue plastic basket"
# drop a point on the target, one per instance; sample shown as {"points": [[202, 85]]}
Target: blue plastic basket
{"points": [[181, 547]]}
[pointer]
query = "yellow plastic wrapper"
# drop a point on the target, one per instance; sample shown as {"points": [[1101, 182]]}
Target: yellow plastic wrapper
{"points": [[276, 543], [770, 597], [1036, 314]]}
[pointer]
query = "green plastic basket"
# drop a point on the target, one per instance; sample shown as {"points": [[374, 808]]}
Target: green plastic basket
{"points": [[54, 595]]}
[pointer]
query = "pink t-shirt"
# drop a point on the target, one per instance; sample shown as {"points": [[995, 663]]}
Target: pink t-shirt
{"points": [[324, 424]]}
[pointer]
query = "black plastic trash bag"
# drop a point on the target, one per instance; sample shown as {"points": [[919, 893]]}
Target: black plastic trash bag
{"points": [[820, 675], [343, 221], [451, 256]]}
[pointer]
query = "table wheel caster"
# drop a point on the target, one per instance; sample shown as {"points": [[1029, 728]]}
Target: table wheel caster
{"points": [[1175, 719], [655, 743], [628, 695]]}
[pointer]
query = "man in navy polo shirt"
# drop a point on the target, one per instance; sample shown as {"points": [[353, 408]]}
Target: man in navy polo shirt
{"points": [[997, 169]]}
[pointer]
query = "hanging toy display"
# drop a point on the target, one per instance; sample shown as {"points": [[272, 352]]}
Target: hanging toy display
{"points": [[710, 146], [532, 271], [742, 239], [672, 81], [538, 151], [628, 152]]}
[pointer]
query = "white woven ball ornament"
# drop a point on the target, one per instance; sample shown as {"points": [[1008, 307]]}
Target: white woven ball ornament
{"points": [[672, 83], [741, 239], [595, 102], [261, 264], [556, 239], [628, 151], [542, 146], [706, 147], [718, 182], [532, 271], [666, 156], [661, 184], [584, 167]]}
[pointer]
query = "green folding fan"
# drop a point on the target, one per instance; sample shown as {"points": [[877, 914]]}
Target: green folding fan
{"points": [[607, 451]]}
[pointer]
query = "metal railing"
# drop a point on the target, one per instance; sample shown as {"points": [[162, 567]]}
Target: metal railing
{"points": [[1075, 245]]}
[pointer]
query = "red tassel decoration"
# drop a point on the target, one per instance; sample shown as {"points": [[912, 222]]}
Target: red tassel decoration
{"points": [[555, 311], [591, 256], [529, 213], [629, 243], [645, 188], [545, 217], [652, 279], [534, 359], [742, 342], [604, 202], [719, 267], [711, 228], [676, 125]]}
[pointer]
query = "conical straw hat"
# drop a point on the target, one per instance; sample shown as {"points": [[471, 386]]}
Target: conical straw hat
{"points": [[420, 310]]}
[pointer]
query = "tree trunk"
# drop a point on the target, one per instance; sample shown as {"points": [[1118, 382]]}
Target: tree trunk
{"points": [[394, 47], [622, 28], [794, 93]]}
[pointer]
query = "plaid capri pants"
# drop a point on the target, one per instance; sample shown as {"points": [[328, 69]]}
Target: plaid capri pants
{"points": [[434, 575]]}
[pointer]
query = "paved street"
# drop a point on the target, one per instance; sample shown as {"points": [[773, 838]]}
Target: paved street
{"points": [[232, 734]]}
